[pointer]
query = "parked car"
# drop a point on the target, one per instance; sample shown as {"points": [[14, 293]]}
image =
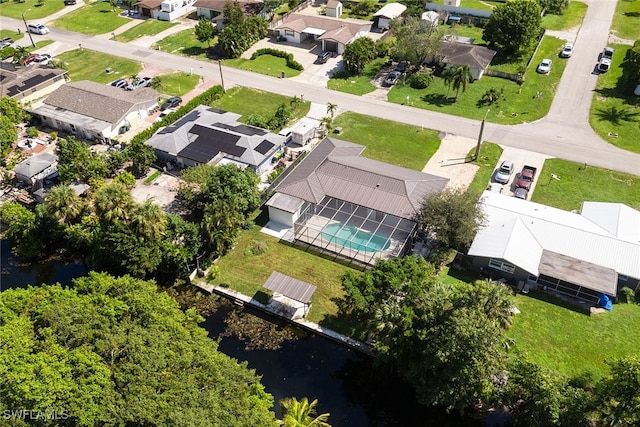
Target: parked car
{"points": [[525, 179], [165, 113], [69, 2], [521, 193], [392, 78], [401, 67], [604, 65], [545, 66], [7, 41], [139, 83], [323, 57], [30, 59], [503, 174], [567, 51], [120, 83], [607, 52], [172, 102], [43, 59], [494, 187], [37, 29]]}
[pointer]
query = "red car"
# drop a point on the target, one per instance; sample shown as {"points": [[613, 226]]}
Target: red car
{"points": [[30, 59]]}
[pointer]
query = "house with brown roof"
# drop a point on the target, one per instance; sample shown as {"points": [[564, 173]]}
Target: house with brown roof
{"points": [[26, 84], [332, 33], [359, 208], [478, 58], [213, 10], [92, 110]]}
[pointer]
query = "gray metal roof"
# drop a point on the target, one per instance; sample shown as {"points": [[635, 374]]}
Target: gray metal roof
{"points": [[290, 287], [35, 164], [579, 272], [336, 169], [284, 202], [467, 54]]}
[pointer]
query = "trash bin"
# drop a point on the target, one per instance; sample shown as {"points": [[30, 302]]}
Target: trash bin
{"points": [[282, 75]]}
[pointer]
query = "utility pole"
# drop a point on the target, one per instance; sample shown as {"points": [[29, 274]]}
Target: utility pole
{"points": [[221, 78], [475, 157], [27, 27]]}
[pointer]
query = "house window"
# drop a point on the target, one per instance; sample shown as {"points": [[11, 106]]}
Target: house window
{"points": [[502, 266], [289, 33]]}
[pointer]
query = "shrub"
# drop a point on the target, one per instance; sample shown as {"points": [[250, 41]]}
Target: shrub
{"points": [[7, 52], [626, 295], [291, 63], [421, 79], [556, 7], [256, 120], [492, 95], [53, 135], [257, 248], [126, 178], [32, 132], [341, 74], [275, 174]]}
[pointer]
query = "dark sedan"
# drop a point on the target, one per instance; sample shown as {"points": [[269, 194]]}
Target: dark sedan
{"points": [[172, 102]]}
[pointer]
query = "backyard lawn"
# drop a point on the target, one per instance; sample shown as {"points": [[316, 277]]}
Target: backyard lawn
{"points": [[571, 18], [93, 19], [625, 20], [32, 9], [150, 27], [360, 84], [85, 64], [387, 141], [185, 43], [614, 110], [264, 64], [177, 84], [524, 103]]}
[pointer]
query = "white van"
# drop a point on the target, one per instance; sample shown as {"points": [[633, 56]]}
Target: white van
{"points": [[287, 133]]}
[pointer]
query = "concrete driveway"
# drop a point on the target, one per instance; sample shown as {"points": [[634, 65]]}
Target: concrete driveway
{"points": [[520, 158]]}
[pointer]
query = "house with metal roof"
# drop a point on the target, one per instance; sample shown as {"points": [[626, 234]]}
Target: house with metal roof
{"points": [[388, 13], [359, 208], [92, 110], [36, 169], [581, 255], [332, 33], [26, 84], [208, 135], [478, 58]]}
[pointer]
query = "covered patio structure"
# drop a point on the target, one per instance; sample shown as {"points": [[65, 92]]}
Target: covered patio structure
{"points": [[291, 297]]}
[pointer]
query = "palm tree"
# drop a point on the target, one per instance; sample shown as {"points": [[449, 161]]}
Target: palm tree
{"points": [[326, 122], [63, 203], [447, 76], [20, 54], [461, 78], [113, 202], [156, 83], [300, 413], [148, 220], [331, 108]]}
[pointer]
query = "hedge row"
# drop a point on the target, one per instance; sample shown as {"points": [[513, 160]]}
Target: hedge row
{"points": [[291, 63]]}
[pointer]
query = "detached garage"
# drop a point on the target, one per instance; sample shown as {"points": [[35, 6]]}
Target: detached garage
{"points": [[285, 209]]}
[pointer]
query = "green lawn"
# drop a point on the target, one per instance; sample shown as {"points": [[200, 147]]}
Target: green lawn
{"points": [[387, 141], [476, 4], [625, 20], [39, 45], [360, 84], [185, 43], [571, 342], [487, 159], [93, 19], [247, 101], [87, 64], [150, 27], [571, 18], [264, 64], [292, 261], [177, 84], [13, 34], [32, 11], [615, 109], [521, 104], [578, 184]]}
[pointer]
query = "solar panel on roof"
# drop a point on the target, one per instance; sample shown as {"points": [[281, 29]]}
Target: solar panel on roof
{"points": [[216, 110], [29, 83], [264, 147], [243, 129], [209, 143]]}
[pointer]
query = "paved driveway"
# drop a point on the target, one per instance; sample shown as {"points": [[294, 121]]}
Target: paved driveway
{"points": [[520, 158]]}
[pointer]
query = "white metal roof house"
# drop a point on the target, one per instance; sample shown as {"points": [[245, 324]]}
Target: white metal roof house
{"points": [[208, 135], [388, 13], [577, 254], [358, 208]]}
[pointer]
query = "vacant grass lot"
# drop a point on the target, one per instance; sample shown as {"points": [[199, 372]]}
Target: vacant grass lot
{"points": [[247, 101], [13, 34], [614, 109], [85, 64], [149, 27], [360, 84], [571, 342], [578, 184], [625, 20], [387, 141], [93, 19], [264, 64], [572, 17], [521, 103], [31, 9], [177, 84], [185, 43]]}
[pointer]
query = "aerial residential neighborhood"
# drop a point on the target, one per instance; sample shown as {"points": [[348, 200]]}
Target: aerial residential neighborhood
{"points": [[320, 213]]}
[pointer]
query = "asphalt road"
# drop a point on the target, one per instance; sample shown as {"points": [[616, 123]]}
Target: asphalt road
{"points": [[563, 133]]}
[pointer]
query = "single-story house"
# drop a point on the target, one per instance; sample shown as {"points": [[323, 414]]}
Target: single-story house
{"points": [[333, 8], [388, 13], [333, 34], [213, 10], [356, 207], [36, 168], [478, 58], [208, 135], [26, 84], [164, 10], [95, 111], [582, 254]]}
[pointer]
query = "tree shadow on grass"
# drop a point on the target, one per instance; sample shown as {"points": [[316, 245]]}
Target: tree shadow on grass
{"points": [[193, 51], [616, 115], [438, 99]]}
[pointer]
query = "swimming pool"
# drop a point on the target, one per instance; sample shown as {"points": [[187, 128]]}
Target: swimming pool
{"points": [[351, 237]]}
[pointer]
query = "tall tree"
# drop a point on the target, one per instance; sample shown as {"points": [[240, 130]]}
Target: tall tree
{"points": [[23, 230], [8, 135], [113, 202], [233, 14], [205, 31], [63, 203], [301, 413], [359, 53], [147, 220], [331, 109], [76, 161], [555, 7], [631, 66], [20, 54], [618, 395], [141, 156], [460, 78], [415, 43], [514, 26], [10, 109]]}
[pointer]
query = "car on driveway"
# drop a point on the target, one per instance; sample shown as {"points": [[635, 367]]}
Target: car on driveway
{"points": [[323, 57], [7, 41], [165, 113], [37, 29], [30, 59], [43, 59], [503, 174], [139, 83], [521, 193], [401, 67], [604, 65], [545, 66], [392, 78], [120, 83], [607, 52], [567, 51], [172, 102]]}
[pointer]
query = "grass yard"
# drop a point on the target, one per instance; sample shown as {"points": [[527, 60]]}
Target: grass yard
{"points": [[39, 45], [292, 261], [93, 19], [388, 141], [264, 64], [150, 27], [13, 34], [31, 9], [247, 101], [360, 84], [185, 43], [476, 4], [571, 18], [521, 104], [578, 184], [625, 20], [88, 64], [614, 110], [570, 342], [177, 84], [487, 160]]}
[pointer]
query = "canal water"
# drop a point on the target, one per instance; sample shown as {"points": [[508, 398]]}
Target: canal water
{"points": [[347, 384]]}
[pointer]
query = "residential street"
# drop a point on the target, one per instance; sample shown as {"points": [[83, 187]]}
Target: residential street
{"points": [[564, 132]]}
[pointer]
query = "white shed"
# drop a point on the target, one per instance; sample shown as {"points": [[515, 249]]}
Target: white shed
{"points": [[333, 9], [388, 13]]}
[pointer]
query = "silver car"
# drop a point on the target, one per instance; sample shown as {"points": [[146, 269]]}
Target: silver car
{"points": [[37, 29], [503, 174]]}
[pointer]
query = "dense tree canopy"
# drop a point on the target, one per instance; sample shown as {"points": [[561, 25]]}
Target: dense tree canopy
{"points": [[10, 109], [415, 42], [8, 135], [205, 31], [359, 53], [556, 7], [514, 26], [631, 66], [114, 351]]}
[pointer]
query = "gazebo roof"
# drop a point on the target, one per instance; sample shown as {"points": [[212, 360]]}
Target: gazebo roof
{"points": [[290, 287]]}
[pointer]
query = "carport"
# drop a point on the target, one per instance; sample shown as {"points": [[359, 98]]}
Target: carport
{"points": [[313, 32]]}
